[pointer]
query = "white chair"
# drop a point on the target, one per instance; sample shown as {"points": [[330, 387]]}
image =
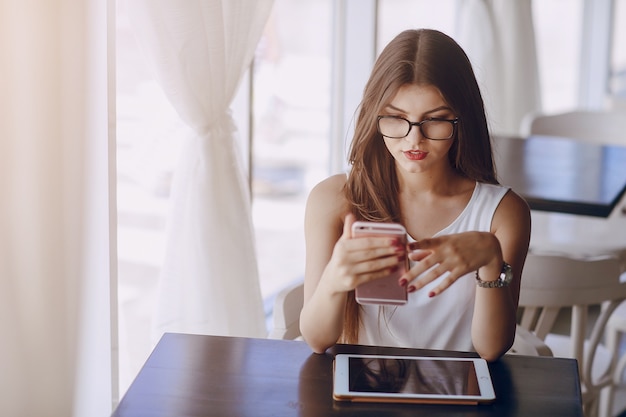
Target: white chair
{"points": [[286, 315], [286, 322], [552, 282], [606, 127], [615, 330], [599, 127]]}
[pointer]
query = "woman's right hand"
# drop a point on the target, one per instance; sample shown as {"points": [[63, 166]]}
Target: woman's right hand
{"points": [[336, 263], [355, 261]]}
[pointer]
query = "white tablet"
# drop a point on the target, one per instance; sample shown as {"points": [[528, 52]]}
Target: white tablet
{"points": [[412, 379]]}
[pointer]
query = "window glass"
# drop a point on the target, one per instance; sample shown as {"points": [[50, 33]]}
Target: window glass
{"points": [[148, 133], [394, 16], [618, 55], [290, 151], [558, 29], [558, 26]]}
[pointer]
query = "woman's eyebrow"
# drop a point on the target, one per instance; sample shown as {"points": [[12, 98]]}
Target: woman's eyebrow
{"points": [[436, 109]]}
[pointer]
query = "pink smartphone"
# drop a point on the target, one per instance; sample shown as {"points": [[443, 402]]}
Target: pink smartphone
{"points": [[384, 290]]}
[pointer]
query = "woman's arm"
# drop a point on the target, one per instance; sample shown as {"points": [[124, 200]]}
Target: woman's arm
{"points": [[321, 319], [494, 321], [336, 263]]}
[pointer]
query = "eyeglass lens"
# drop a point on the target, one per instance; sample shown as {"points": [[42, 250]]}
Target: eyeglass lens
{"points": [[397, 127]]}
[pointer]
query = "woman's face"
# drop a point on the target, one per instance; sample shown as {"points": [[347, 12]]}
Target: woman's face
{"points": [[415, 153]]}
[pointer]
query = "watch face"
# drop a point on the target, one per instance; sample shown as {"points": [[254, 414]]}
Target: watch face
{"points": [[505, 278], [507, 273]]}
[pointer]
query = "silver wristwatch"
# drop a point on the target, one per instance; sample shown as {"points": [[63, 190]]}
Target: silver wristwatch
{"points": [[506, 275]]}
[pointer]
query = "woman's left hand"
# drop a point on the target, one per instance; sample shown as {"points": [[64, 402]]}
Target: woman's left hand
{"points": [[457, 254]]}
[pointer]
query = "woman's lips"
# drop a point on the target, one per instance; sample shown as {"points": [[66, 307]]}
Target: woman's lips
{"points": [[415, 155]]}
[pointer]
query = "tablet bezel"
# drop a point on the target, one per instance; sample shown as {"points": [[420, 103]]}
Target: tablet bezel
{"points": [[341, 391]]}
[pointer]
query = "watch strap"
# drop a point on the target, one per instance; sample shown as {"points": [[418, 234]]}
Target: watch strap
{"points": [[503, 279]]}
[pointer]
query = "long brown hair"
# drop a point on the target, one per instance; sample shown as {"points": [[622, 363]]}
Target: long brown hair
{"points": [[422, 57]]}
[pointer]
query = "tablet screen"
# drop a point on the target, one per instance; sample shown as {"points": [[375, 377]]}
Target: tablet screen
{"points": [[390, 378], [412, 376]]}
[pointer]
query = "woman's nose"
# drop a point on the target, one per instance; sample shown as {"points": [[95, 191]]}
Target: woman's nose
{"points": [[415, 135]]}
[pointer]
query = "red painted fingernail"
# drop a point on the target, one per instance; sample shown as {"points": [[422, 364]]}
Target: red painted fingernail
{"points": [[431, 294], [403, 282], [411, 289]]}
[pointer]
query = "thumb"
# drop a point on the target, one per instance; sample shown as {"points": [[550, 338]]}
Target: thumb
{"points": [[347, 225]]}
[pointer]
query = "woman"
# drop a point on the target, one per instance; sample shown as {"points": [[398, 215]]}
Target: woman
{"points": [[421, 156]]}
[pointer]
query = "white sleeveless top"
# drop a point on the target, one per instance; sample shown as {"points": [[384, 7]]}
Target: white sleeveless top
{"points": [[444, 321]]}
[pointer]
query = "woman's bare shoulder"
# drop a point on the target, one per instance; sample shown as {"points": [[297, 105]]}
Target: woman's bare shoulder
{"points": [[328, 195], [514, 202], [513, 210], [330, 187]]}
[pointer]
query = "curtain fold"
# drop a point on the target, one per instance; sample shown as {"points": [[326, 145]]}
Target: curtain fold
{"points": [[200, 50], [498, 36], [54, 244]]}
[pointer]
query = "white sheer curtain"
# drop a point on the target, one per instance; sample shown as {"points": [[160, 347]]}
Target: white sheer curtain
{"points": [[498, 36], [200, 50], [55, 317]]}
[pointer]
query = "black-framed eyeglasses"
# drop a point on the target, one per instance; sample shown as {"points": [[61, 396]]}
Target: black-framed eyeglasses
{"points": [[396, 127]]}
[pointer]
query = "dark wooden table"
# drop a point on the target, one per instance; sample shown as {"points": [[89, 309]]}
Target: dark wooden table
{"points": [[191, 375], [562, 175]]}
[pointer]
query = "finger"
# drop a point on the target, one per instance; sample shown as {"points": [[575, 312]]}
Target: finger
{"points": [[361, 273], [419, 255], [347, 225], [374, 260], [424, 244], [371, 276], [444, 285], [425, 277], [425, 262], [377, 246], [385, 254]]}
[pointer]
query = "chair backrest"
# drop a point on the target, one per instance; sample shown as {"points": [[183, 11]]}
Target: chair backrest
{"points": [[559, 280], [553, 281], [605, 127], [287, 307]]}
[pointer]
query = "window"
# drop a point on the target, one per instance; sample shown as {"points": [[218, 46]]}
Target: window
{"points": [[617, 84], [558, 31], [292, 117], [291, 105], [291, 124], [147, 133], [395, 16], [291, 91]]}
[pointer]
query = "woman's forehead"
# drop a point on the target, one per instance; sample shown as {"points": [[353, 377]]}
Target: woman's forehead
{"points": [[417, 98]]}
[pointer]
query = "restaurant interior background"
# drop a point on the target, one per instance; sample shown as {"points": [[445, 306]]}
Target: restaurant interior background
{"points": [[289, 121]]}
